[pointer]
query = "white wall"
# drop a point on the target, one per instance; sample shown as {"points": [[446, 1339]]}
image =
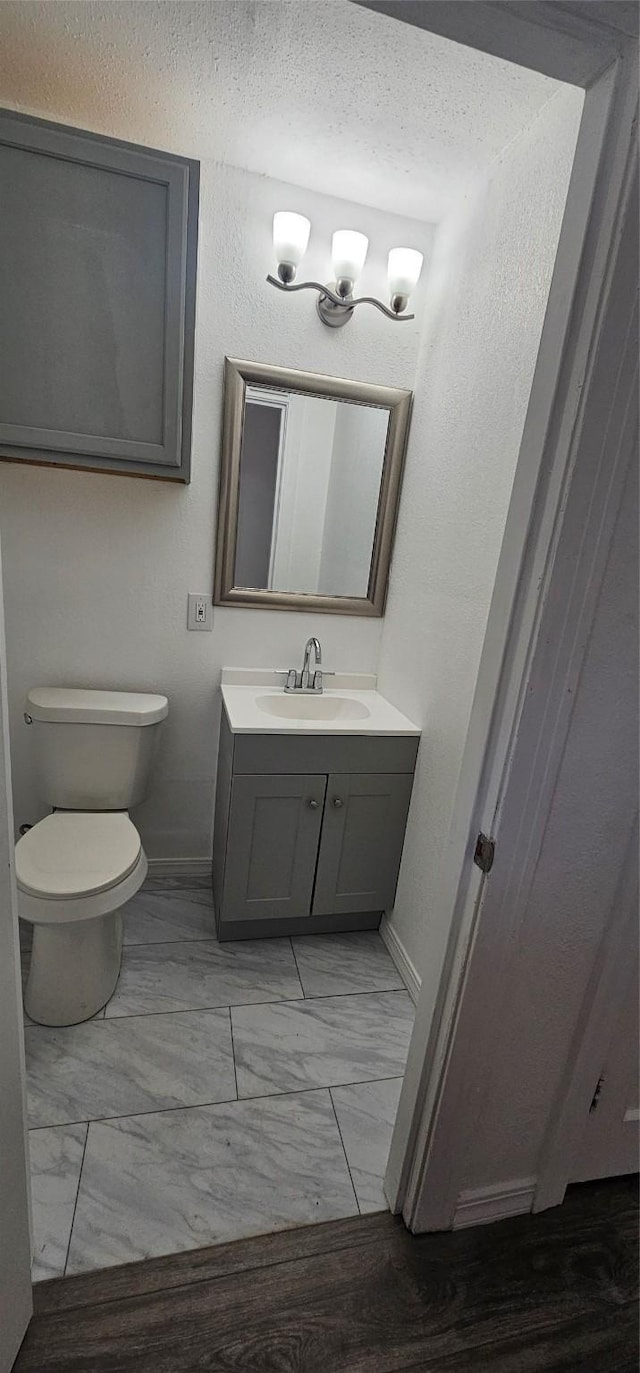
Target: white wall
{"points": [[97, 568], [352, 499], [490, 277], [306, 464]]}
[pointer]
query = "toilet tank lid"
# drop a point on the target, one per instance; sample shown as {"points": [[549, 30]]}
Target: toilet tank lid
{"points": [[73, 705]]}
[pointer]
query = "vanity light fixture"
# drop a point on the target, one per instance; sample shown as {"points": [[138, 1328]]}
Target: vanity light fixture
{"points": [[336, 303]]}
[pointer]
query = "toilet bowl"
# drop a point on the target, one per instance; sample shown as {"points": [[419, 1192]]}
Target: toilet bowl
{"points": [[76, 868]]}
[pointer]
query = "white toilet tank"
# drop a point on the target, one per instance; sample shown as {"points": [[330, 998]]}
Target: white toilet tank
{"points": [[94, 749]]}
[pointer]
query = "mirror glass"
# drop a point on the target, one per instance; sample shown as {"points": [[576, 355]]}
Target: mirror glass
{"points": [[309, 487], [310, 477]]}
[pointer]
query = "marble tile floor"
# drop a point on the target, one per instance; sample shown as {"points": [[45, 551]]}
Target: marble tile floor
{"points": [[228, 1090]]}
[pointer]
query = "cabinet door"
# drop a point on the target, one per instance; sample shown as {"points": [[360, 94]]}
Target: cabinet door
{"points": [[362, 838], [272, 846], [97, 300]]}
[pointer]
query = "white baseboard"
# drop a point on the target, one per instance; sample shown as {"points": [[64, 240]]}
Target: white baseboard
{"points": [[396, 949], [179, 867], [483, 1204]]}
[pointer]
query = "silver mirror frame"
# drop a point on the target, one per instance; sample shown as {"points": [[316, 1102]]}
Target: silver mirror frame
{"points": [[237, 376]]}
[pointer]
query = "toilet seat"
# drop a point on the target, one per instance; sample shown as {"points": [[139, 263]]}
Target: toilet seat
{"points": [[77, 938], [75, 855]]}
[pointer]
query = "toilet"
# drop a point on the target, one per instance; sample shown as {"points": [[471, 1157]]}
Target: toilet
{"points": [[76, 868]]}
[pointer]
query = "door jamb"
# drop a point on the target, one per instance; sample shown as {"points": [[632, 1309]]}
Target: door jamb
{"points": [[586, 518], [569, 344]]}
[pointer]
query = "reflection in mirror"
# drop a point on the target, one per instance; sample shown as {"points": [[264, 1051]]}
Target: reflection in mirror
{"points": [[310, 472], [310, 476]]}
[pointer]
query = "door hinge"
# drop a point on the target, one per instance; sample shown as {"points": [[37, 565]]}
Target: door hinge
{"points": [[485, 853], [595, 1100]]}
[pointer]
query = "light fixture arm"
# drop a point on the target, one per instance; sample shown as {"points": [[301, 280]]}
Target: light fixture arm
{"points": [[333, 309]]}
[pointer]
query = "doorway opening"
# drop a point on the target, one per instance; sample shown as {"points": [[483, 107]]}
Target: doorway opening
{"points": [[443, 578]]}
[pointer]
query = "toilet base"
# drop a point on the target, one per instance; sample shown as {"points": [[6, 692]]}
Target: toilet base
{"points": [[74, 969]]}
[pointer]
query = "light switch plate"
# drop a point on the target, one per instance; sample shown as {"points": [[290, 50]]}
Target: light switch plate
{"points": [[199, 612]]}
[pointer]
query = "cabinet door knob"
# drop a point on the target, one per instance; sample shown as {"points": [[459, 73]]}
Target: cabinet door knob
{"points": [[337, 802], [313, 805]]}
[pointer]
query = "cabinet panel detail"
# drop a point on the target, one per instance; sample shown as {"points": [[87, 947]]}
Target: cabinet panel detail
{"points": [[97, 300], [362, 838], [272, 845]]}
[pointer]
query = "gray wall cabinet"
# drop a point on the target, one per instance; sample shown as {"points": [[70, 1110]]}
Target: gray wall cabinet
{"points": [[98, 245], [301, 846]]}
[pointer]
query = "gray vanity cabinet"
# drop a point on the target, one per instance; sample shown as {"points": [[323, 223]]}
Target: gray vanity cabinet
{"points": [[308, 831]]}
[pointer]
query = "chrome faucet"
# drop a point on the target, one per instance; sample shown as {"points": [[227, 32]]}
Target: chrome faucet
{"points": [[305, 680], [312, 645]]}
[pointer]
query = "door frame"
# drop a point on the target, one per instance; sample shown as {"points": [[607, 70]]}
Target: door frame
{"points": [[15, 1198], [557, 466], [600, 56]]}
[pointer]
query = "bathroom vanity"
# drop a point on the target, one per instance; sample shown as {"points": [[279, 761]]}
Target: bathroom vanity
{"points": [[312, 801]]}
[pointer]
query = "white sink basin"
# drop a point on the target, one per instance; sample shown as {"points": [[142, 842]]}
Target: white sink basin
{"points": [[255, 703], [290, 707]]}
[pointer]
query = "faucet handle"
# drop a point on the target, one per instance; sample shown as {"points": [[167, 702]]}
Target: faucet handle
{"points": [[319, 676]]}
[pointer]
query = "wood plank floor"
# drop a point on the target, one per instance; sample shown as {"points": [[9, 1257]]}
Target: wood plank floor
{"points": [[554, 1292]]}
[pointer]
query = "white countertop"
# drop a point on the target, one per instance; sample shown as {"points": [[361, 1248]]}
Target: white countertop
{"points": [[245, 693]]}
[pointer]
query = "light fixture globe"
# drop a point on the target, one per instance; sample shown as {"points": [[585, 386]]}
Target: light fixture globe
{"points": [[290, 238], [348, 255], [403, 271]]}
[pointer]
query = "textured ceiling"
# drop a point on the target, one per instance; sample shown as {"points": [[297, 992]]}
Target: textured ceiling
{"points": [[317, 92]]}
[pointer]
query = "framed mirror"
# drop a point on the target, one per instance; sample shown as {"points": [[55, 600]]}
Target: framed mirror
{"points": [[310, 479]]}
